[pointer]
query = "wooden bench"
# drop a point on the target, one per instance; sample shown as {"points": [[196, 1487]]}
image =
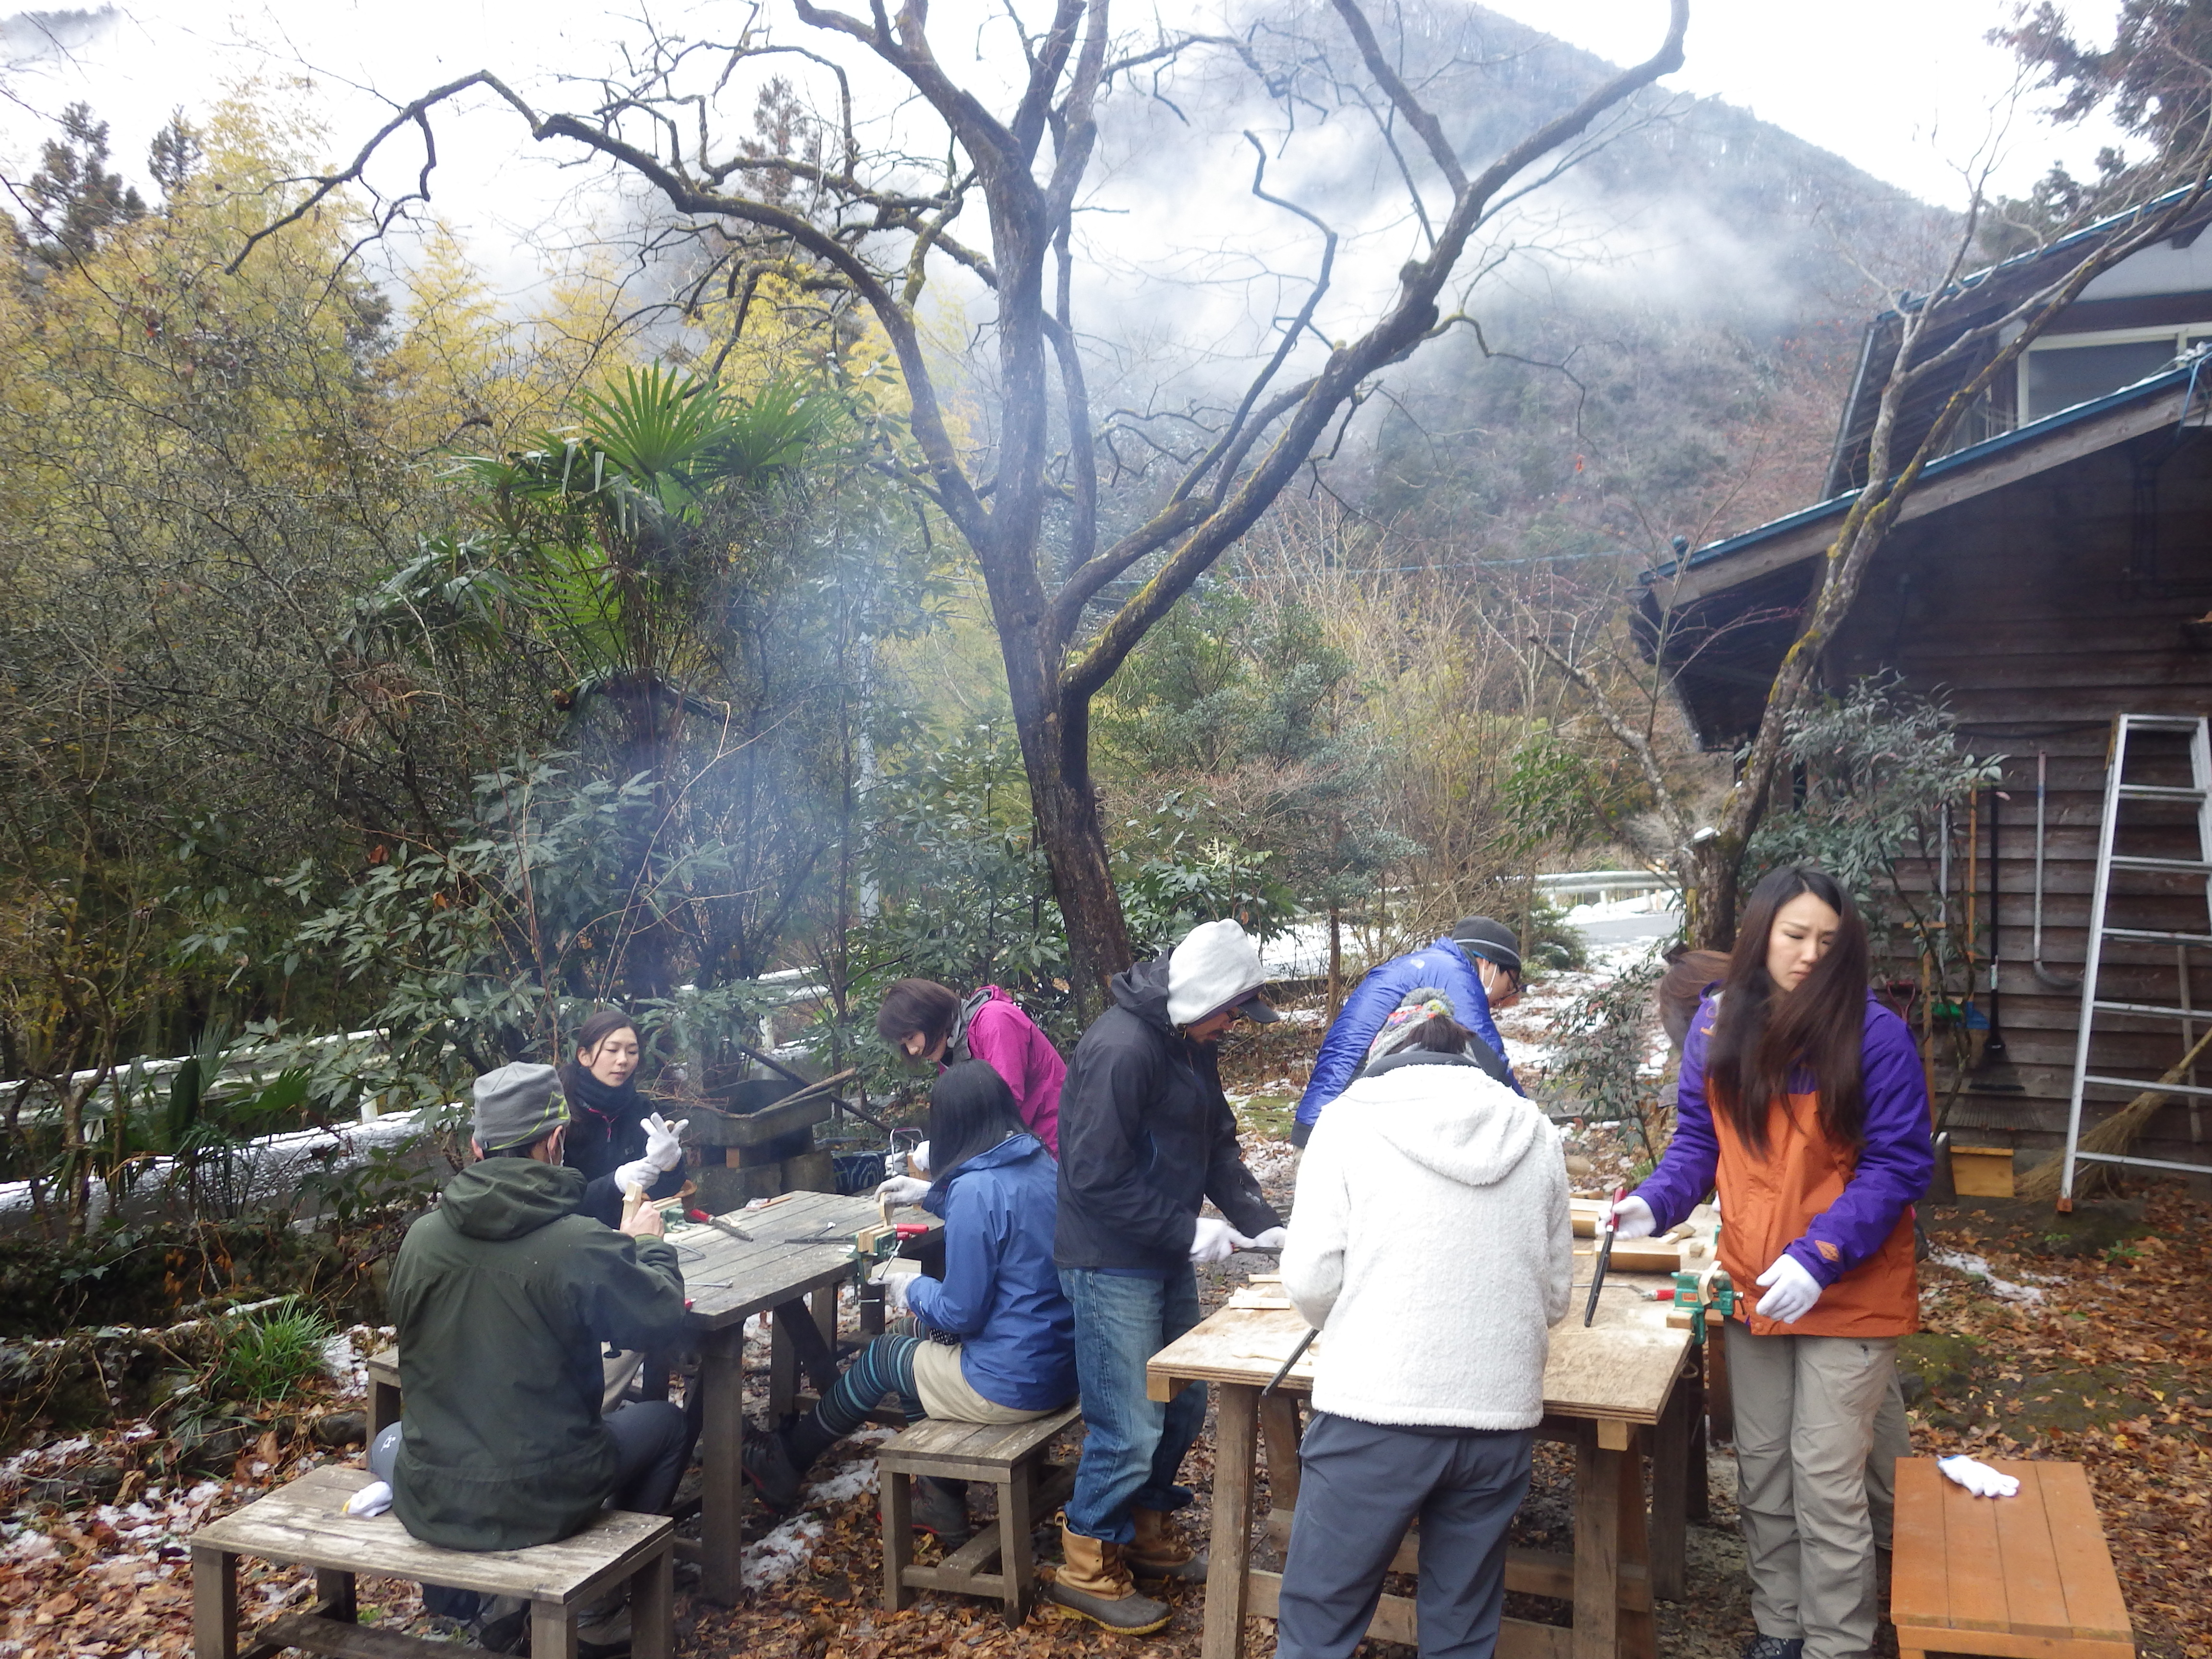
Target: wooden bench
{"points": [[303, 1524], [1011, 1457], [2022, 1578]]}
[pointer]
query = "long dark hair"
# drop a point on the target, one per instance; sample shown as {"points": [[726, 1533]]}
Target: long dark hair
{"points": [[970, 1111], [1759, 1039], [913, 1005]]}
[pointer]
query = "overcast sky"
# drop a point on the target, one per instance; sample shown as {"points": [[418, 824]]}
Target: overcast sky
{"points": [[1903, 89]]}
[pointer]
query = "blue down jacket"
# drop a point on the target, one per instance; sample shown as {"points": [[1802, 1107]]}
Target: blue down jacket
{"points": [[1000, 1294], [1344, 1050]]}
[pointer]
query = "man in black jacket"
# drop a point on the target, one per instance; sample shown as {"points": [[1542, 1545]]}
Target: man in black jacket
{"points": [[1145, 1136]]}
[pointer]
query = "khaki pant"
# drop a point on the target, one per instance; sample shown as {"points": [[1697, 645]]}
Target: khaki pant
{"points": [[1805, 1412]]}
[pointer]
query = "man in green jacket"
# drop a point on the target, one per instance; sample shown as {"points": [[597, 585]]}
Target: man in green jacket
{"points": [[502, 1295]]}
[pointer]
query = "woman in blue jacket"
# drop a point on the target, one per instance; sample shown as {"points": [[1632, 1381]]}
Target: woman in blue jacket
{"points": [[997, 1342]]}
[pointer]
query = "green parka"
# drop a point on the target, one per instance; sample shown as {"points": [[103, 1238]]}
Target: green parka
{"points": [[502, 1295]]}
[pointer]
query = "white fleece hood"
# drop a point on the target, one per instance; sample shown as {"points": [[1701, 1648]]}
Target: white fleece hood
{"points": [[1430, 1244], [1453, 1120]]}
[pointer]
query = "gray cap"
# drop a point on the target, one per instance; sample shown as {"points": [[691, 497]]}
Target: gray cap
{"points": [[517, 1105], [1480, 936]]}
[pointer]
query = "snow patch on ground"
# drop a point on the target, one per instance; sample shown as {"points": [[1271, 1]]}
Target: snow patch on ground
{"points": [[778, 1553], [1974, 1266]]}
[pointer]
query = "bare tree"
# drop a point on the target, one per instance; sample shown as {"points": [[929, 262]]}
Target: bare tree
{"points": [[823, 213]]}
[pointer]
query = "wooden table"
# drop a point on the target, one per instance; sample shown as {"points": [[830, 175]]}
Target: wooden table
{"points": [[801, 1249], [1607, 1390]]}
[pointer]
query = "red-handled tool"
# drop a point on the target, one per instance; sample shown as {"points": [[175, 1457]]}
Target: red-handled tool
{"points": [[721, 1226], [1604, 1252]]}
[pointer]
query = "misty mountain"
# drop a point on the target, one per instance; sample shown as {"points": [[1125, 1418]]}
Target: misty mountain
{"points": [[1670, 327]]}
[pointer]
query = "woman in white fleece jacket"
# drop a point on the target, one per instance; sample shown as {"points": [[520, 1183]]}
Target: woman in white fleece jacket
{"points": [[1430, 1244]]}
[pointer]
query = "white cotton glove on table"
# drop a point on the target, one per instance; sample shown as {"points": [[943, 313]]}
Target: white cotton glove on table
{"points": [[1790, 1290], [373, 1498], [1632, 1218], [1214, 1240], [902, 1189], [1979, 1479], [1273, 1238]]}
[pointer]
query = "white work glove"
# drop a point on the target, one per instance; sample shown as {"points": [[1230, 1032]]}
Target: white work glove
{"points": [[1214, 1240], [894, 1288], [1272, 1239], [1979, 1479], [918, 1159], [902, 1189], [639, 1172], [1632, 1218], [663, 1148], [375, 1498], [1791, 1291]]}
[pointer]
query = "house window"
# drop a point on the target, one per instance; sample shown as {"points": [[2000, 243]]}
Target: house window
{"points": [[2058, 372]]}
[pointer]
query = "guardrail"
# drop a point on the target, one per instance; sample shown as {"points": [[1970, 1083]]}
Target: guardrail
{"points": [[1605, 886]]}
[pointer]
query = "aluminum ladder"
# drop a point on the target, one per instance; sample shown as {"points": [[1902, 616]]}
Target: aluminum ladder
{"points": [[2117, 791]]}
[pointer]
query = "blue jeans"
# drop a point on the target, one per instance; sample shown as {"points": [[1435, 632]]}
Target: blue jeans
{"points": [[1133, 1446]]}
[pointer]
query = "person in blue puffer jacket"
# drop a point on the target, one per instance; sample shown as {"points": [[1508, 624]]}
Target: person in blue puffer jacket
{"points": [[1477, 965], [994, 1341]]}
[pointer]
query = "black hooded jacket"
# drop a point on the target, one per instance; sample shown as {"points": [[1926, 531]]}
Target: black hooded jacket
{"points": [[1145, 1136]]}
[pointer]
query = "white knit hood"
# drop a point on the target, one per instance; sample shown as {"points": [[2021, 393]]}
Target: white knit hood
{"points": [[1216, 965], [1471, 1130], [1431, 1245]]}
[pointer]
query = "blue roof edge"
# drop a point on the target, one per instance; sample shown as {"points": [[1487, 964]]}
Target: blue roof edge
{"points": [[1956, 461]]}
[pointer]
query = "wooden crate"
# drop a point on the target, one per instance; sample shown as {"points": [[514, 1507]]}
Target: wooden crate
{"points": [[1981, 1171]]}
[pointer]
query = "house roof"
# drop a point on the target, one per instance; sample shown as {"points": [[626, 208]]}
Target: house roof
{"points": [[1973, 301], [2057, 437]]}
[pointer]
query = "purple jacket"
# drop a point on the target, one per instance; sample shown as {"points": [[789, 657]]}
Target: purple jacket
{"points": [[1891, 1170]]}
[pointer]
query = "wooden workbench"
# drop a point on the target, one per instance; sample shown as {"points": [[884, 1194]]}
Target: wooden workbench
{"points": [[1610, 1391], [801, 1248]]}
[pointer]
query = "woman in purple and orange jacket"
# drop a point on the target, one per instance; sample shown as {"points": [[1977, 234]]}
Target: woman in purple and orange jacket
{"points": [[1803, 1103], [926, 1021]]}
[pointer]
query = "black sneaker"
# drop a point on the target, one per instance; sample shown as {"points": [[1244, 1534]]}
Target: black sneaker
{"points": [[779, 1482], [1775, 1647]]}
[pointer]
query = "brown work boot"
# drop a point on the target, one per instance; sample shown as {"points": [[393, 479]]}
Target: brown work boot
{"points": [[1095, 1585], [1158, 1551]]}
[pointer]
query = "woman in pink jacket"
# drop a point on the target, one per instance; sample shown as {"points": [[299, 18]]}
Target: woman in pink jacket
{"points": [[924, 1020]]}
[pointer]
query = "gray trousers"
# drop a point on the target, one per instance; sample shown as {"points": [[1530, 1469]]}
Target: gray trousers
{"points": [[1360, 1485], [1805, 1414]]}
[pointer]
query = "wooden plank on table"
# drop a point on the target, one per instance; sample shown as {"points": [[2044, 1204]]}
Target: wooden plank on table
{"points": [[2035, 1594], [1612, 1370], [2093, 1603], [1973, 1561], [1619, 1370], [303, 1522], [1919, 1585]]}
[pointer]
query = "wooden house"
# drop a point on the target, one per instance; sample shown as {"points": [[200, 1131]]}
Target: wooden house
{"points": [[2051, 572]]}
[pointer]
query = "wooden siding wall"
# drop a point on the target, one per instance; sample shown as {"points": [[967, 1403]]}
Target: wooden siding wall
{"points": [[2042, 610]]}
